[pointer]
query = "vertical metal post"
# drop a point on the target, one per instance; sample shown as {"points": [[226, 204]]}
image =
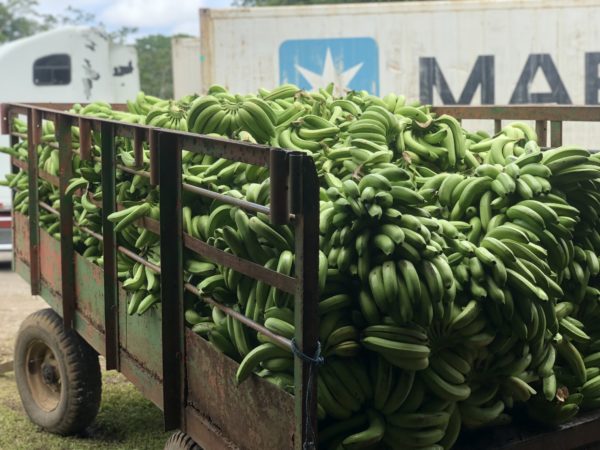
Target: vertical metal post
{"points": [[154, 158], [85, 139], [305, 192], [279, 207], [556, 130], [541, 131], [497, 125], [33, 138], [13, 140], [171, 279], [63, 136], [111, 293], [4, 120], [138, 147]]}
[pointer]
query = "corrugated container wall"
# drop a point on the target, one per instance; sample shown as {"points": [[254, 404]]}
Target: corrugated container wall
{"points": [[186, 65]]}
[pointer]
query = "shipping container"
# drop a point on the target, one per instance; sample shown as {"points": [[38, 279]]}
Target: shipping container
{"points": [[503, 52]]}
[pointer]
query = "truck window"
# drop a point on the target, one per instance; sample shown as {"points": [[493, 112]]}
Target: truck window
{"points": [[52, 70]]}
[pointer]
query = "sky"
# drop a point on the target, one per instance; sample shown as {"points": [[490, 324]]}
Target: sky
{"points": [[149, 16]]}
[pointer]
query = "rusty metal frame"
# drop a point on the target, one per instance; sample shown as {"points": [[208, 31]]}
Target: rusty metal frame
{"points": [[171, 278], [556, 115], [63, 136], [109, 240], [294, 201], [33, 137]]}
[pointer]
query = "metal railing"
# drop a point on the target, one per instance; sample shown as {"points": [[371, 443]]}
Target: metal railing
{"points": [[294, 200]]}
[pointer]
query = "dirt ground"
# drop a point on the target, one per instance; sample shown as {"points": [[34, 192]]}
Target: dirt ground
{"points": [[16, 303], [126, 421]]}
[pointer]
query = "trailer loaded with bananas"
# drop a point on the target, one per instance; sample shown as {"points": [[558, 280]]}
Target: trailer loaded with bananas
{"points": [[458, 272]]}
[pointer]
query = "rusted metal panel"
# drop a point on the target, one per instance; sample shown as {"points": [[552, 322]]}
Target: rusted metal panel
{"points": [[205, 432], [255, 415], [50, 263], [20, 236], [145, 381]]}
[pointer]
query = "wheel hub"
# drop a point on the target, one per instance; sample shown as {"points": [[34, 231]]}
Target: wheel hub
{"points": [[49, 374], [43, 375]]}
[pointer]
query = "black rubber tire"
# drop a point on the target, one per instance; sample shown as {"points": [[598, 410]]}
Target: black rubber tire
{"points": [[76, 368], [181, 441]]}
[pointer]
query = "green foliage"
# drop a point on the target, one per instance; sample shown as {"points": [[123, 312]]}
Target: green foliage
{"points": [[20, 18], [16, 20], [154, 61]]}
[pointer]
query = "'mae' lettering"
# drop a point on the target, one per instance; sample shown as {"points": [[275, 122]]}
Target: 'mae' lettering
{"points": [[522, 93], [482, 75]]}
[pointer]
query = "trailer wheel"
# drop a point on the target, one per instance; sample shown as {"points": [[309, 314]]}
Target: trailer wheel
{"points": [[181, 441], [58, 374]]}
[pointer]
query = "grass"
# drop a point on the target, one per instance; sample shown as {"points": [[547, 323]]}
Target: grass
{"points": [[126, 421]]}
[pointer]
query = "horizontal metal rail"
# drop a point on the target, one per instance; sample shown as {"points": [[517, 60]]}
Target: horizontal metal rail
{"points": [[239, 316], [190, 287], [242, 265], [228, 199], [134, 256], [556, 115], [523, 112], [220, 147], [49, 208]]}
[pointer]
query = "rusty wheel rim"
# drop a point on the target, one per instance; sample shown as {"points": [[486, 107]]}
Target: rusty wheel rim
{"points": [[43, 376]]}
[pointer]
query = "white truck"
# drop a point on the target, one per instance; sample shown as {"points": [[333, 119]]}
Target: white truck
{"points": [[67, 65], [441, 52]]}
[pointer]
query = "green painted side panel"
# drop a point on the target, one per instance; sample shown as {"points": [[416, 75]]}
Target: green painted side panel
{"points": [[141, 336], [89, 291]]}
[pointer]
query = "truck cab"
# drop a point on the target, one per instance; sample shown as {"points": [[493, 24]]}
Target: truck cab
{"points": [[68, 65]]}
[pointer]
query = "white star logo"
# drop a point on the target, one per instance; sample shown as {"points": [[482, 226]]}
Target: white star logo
{"points": [[331, 74]]}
